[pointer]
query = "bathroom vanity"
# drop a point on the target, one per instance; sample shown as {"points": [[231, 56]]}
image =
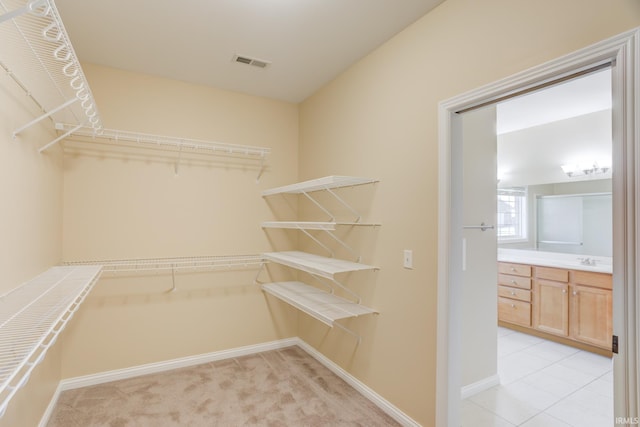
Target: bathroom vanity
{"points": [[564, 297]]}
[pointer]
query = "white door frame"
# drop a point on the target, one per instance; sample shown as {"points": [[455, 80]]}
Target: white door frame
{"points": [[623, 51]]}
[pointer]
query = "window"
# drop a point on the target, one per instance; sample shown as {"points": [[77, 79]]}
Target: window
{"points": [[512, 214]]}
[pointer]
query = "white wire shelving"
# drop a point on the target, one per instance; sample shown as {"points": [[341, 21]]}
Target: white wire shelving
{"points": [[37, 54], [176, 264], [327, 184], [323, 306], [31, 318], [315, 264], [179, 145]]}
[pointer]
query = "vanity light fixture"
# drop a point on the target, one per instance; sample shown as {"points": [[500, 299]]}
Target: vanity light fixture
{"points": [[586, 169]]}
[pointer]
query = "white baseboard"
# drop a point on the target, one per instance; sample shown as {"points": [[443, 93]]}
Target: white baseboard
{"points": [[482, 385], [367, 392], [183, 362], [151, 368]]}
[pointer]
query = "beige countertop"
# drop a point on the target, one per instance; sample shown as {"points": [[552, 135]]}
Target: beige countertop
{"points": [[553, 259]]}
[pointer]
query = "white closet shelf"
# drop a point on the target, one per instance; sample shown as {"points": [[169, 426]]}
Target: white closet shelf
{"points": [[319, 304], [150, 140], [313, 225], [31, 318], [315, 264], [175, 264], [326, 183], [37, 54]]}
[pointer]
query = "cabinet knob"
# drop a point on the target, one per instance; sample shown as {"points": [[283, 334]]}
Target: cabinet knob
{"points": [[564, 291], [513, 281], [513, 269], [575, 292], [513, 293], [513, 306]]}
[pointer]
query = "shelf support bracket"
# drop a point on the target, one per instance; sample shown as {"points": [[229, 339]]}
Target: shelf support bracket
{"points": [[261, 169], [309, 235], [345, 204], [315, 202], [58, 139], [33, 7], [350, 332], [173, 278], [355, 296], [14, 14], [255, 279], [344, 245], [44, 116]]}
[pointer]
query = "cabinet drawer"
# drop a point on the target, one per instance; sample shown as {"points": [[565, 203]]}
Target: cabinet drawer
{"points": [[513, 311], [555, 274], [516, 269], [515, 293], [588, 278], [517, 281]]}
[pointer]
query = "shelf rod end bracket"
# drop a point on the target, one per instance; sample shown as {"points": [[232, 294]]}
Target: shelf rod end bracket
{"points": [[58, 139]]}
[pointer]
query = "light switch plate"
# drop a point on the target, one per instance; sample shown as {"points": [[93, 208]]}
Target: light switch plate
{"points": [[408, 258]]}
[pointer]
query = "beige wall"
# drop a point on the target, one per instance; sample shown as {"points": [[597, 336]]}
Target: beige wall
{"points": [[30, 227], [379, 119], [130, 204]]}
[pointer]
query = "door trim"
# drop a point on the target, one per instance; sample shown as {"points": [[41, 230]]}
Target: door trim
{"points": [[623, 52]]}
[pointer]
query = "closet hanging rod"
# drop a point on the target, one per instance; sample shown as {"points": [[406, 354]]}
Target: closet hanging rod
{"points": [[174, 264], [161, 140]]}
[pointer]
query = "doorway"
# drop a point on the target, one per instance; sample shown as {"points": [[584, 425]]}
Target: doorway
{"points": [[549, 214], [620, 53]]}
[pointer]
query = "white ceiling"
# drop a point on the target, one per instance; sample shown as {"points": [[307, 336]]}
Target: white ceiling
{"points": [[565, 124], [573, 98], [308, 42]]}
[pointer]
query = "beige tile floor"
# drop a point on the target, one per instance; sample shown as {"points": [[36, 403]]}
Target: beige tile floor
{"points": [[543, 384]]}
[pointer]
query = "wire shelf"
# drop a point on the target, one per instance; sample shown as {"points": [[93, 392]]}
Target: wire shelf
{"points": [[175, 264], [323, 306], [32, 316], [325, 183], [37, 54], [150, 140]]}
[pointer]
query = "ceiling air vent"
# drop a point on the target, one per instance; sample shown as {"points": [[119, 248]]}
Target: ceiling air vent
{"points": [[251, 61]]}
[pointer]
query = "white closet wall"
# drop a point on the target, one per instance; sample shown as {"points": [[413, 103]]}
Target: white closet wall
{"points": [[129, 203], [30, 228]]}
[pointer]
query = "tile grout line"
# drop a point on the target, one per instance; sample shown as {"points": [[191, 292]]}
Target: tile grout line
{"points": [[544, 411]]}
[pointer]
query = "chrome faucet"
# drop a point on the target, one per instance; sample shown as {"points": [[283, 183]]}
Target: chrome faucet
{"points": [[587, 261]]}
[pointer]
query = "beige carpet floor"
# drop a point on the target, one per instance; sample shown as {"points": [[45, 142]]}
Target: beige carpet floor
{"points": [[284, 387]]}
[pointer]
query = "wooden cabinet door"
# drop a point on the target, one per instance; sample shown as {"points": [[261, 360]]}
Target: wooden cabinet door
{"points": [[551, 307], [591, 315]]}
